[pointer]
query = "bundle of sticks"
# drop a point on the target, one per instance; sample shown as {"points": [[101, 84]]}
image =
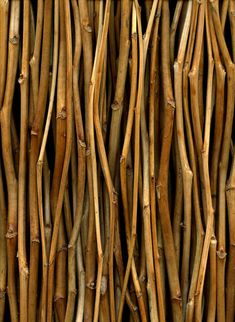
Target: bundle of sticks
{"points": [[117, 163]]}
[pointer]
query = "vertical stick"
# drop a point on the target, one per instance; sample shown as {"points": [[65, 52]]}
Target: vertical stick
{"points": [[6, 112]]}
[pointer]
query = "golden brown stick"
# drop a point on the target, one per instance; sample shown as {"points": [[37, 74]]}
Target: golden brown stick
{"points": [[178, 206], [24, 85], [212, 296], [174, 25], [117, 106], [36, 134], [194, 76], [230, 282], [81, 181], [96, 77], [187, 175], [112, 45], [123, 174], [152, 170], [205, 165], [230, 291], [90, 259], [69, 123], [224, 158], [162, 182], [35, 60], [151, 286], [3, 249], [42, 170], [60, 146], [4, 16], [81, 282], [219, 115], [6, 112], [224, 11], [193, 164]]}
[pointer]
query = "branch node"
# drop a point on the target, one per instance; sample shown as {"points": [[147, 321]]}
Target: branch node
{"points": [[171, 103], [21, 79], [2, 293], [58, 297], [221, 253], [91, 285], [62, 114], [104, 284], [35, 240], [82, 143], [87, 27], [116, 106], [158, 188], [14, 40], [11, 233], [62, 248]]}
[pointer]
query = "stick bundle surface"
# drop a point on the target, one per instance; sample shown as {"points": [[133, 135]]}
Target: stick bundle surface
{"points": [[117, 160]]}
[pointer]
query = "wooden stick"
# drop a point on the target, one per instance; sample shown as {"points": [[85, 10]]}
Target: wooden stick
{"points": [[162, 182], [6, 112], [24, 84]]}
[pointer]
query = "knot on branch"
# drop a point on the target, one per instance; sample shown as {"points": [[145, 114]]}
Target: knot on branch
{"points": [[11, 233], [14, 40], [146, 210], [21, 79], [87, 27], [229, 186], [74, 291], [40, 163], [158, 188], [91, 285], [213, 240], [25, 271], [143, 278], [122, 159], [232, 12], [171, 103], [62, 114], [2, 293], [177, 298], [104, 285], [88, 151], [82, 143], [70, 246], [114, 197], [35, 241], [190, 302], [221, 254], [34, 132], [134, 35], [58, 297], [116, 106], [63, 248]]}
